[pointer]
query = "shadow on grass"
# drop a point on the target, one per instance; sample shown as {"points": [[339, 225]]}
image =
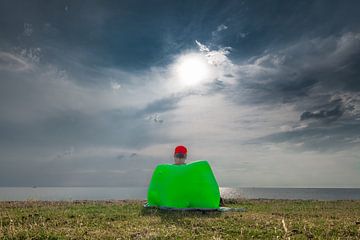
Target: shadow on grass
{"points": [[177, 216]]}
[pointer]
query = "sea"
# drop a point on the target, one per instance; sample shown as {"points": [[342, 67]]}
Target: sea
{"points": [[140, 193]]}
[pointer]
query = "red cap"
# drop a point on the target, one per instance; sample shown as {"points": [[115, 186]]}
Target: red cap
{"points": [[180, 149]]}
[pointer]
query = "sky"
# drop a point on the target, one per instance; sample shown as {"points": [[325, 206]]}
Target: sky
{"points": [[98, 93]]}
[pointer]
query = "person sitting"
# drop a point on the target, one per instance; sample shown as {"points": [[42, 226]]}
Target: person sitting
{"points": [[180, 155]]}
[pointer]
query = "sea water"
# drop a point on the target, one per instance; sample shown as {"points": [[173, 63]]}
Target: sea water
{"points": [[121, 193]]}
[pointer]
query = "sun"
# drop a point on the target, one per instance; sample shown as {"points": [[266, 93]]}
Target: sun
{"points": [[192, 70]]}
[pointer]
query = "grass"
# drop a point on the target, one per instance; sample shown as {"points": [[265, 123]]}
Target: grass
{"points": [[264, 219]]}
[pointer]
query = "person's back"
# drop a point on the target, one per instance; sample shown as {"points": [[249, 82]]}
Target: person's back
{"points": [[180, 155], [191, 185], [182, 185]]}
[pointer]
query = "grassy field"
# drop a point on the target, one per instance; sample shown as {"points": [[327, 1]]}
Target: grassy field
{"points": [[264, 219]]}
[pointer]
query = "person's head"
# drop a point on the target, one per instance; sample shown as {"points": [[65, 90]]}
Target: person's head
{"points": [[180, 155]]}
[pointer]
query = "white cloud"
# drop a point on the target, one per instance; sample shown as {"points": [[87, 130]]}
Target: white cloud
{"points": [[28, 29], [202, 47], [11, 62], [219, 59], [215, 57], [21, 60], [115, 86], [31, 54], [221, 27]]}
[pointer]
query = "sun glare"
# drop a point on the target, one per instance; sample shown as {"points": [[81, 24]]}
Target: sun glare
{"points": [[192, 69]]}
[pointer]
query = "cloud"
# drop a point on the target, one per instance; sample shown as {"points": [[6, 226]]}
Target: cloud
{"points": [[48, 90], [28, 29], [93, 104], [221, 27], [220, 33], [308, 72], [65, 154], [163, 104], [155, 118], [32, 55], [313, 78], [215, 57], [315, 137], [224, 68], [11, 62], [334, 111], [307, 57], [115, 86]]}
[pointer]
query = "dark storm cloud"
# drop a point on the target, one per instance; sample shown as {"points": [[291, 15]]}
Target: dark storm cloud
{"points": [[341, 136], [331, 112], [310, 75], [256, 27], [320, 64], [135, 35]]}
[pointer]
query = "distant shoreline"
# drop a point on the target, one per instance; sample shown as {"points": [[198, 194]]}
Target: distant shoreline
{"points": [[140, 193], [142, 201]]}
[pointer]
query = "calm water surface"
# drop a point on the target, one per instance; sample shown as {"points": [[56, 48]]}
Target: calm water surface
{"points": [[113, 193]]}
